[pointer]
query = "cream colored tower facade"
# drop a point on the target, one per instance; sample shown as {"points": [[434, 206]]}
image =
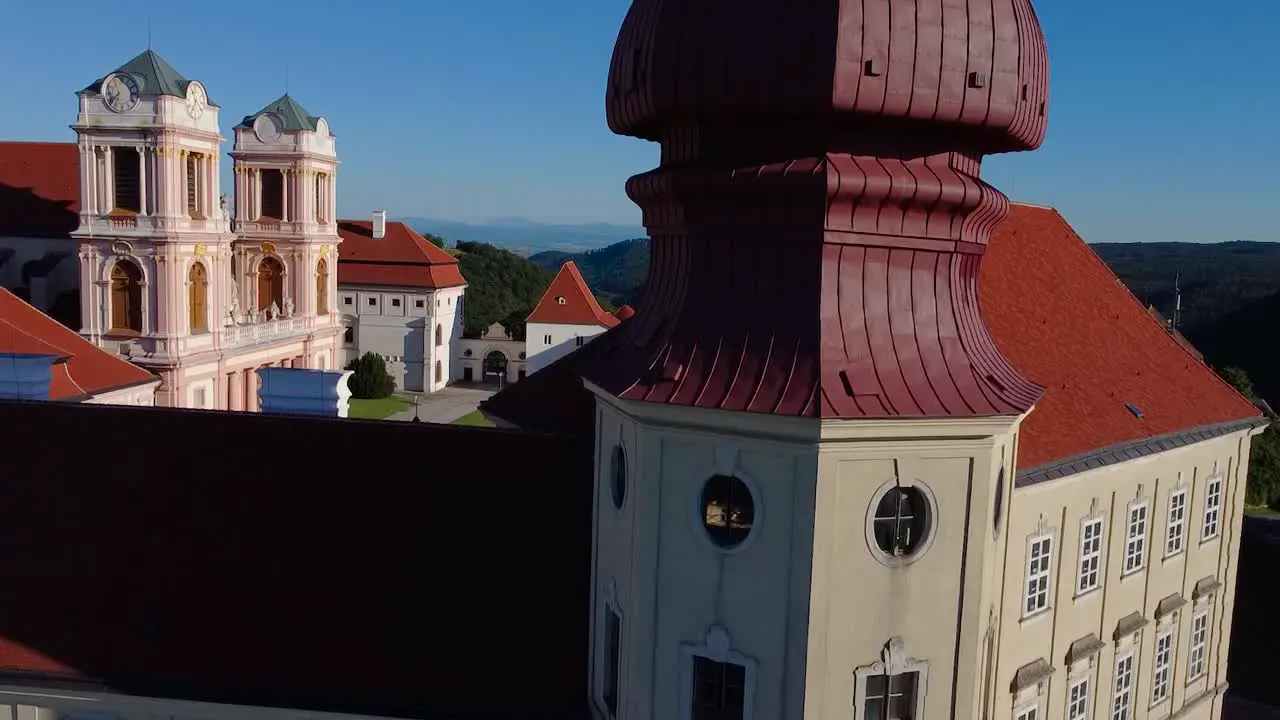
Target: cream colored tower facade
{"points": [[793, 568]]}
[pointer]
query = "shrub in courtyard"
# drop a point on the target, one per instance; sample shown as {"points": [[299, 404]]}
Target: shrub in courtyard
{"points": [[371, 379]]}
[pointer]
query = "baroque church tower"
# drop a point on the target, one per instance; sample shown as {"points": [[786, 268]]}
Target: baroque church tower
{"points": [[154, 234], [286, 233], [805, 436], [165, 280]]}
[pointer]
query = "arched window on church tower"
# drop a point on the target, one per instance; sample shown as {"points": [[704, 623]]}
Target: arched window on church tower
{"points": [[198, 298], [270, 284], [322, 287], [439, 335], [126, 297]]}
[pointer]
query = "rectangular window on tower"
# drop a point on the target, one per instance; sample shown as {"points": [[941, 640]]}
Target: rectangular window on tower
{"points": [[612, 664], [719, 690], [126, 165], [320, 179], [193, 205], [272, 195]]}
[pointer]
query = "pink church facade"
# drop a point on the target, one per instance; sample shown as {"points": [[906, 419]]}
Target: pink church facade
{"points": [[171, 278]]}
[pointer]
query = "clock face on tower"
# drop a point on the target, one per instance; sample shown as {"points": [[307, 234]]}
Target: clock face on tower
{"points": [[120, 92], [196, 100]]}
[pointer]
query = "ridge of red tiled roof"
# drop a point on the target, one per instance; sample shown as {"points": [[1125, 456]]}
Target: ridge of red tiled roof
{"points": [[39, 189], [579, 306], [87, 369], [400, 258], [1057, 313]]}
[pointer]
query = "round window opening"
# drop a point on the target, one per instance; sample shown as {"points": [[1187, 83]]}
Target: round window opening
{"points": [[618, 483], [728, 510], [901, 521]]}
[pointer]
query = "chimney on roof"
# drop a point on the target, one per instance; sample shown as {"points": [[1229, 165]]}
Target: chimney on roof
{"points": [[301, 391], [379, 224], [25, 376]]}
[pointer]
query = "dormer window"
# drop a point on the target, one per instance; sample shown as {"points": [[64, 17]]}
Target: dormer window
{"points": [[559, 299]]}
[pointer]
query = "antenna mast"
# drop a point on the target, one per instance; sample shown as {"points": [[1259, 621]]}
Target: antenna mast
{"points": [[1177, 299]]}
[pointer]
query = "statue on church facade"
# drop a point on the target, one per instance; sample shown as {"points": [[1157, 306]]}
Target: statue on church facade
{"points": [[288, 307]]}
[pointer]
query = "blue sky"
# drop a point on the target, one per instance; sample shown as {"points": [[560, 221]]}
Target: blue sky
{"points": [[1162, 117]]}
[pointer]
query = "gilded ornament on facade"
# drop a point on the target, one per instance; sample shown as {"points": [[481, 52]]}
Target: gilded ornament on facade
{"points": [[267, 247], [324, 250], [200, 249]]}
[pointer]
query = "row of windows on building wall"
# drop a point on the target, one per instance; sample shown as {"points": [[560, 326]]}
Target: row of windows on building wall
{"points": [[126, 304], [1137, 533], [578, 340], [127, 191], [349, 335], [894, 688], [373, 302], [1129, 659]]}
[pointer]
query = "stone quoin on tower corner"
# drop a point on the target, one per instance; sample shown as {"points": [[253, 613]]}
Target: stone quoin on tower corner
{"points": [[818, 216]]}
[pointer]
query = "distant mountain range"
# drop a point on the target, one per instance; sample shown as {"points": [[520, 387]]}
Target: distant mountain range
{"points": [[526, 237]]}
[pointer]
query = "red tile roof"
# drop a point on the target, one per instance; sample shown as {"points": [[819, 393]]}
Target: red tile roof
{"points": [[89, 370], [409, 628], [1055, 311], [626, 312], [39, 189], [401, 258], [1060, 315], [568, 301]]}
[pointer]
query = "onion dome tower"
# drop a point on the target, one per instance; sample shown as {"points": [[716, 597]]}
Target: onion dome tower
{"points": [[805, 434], [819, 216]]}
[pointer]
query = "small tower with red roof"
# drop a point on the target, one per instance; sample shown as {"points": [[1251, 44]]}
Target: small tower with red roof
{"points": [[566, 318], [804, 434]]}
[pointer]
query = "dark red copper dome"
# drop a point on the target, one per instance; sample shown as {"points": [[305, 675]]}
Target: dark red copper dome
{"points": [[979, 69], [818, 216]]}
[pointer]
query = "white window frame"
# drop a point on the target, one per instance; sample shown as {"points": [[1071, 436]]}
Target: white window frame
{"points": [[1090, 569], [1037, 599], [1175, 534], [1212, 524], [1135, 537], [716, 646], [893, 661], [1029, 711], [1162, 665], [1198, 649], [1122, 693], [1078, 703]]}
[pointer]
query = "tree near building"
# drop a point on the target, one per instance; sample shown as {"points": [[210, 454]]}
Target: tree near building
{"points": [[1262, 487], [370, 380]]}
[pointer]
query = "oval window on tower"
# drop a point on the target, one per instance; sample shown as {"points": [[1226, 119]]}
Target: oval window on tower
{"points": [[728, 510], [998, 510], [618, 479]]}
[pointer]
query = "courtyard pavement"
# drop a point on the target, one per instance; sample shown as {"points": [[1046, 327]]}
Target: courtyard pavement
{"points": [[445, 406]]}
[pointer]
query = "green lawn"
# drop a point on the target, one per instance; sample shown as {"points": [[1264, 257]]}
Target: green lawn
{"points": [[377, 409], [1260, 511], [474, 418]]}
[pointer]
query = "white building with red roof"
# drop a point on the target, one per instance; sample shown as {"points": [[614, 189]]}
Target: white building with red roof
{"points": [[565, 319], [399, 296]]}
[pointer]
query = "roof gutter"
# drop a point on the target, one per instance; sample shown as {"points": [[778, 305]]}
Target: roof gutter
{"points": [[1135, 449]]}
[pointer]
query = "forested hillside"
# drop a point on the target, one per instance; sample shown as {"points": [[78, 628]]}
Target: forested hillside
{"points": [[1217, 278], [615, 273], [501, 287]]}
